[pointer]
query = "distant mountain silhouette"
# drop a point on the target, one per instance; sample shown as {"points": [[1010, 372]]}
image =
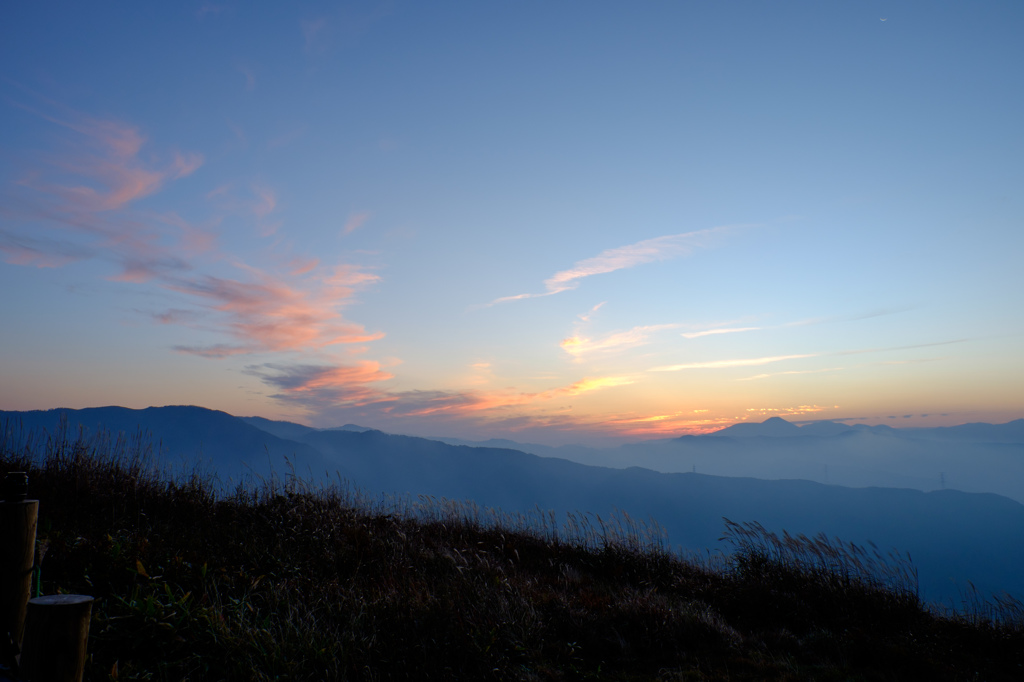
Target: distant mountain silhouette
{"points": [[350, 427], [281, 429], [775, 427], [1010, 432], [824, 429], [187, 435], [953, 536], [971, 457]]}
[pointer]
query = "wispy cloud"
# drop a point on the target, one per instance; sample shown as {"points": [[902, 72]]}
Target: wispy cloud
{"points": [[672, 424], [578, 345], [355, 221], [790, 411], [885, 349], [356, 391], [286, 138], [466, 402], [610, 260], [81, 205], [751, 362], [586, 317], [19, 249], [313, 33], [801, 371], [108, 162], [712, 332], [799, 323], [742, 362], [318, 386], [266, 201], [272, 314], [250, 77]]}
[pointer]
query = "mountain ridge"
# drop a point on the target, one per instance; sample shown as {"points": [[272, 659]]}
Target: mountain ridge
{"points": [[954, 536]]}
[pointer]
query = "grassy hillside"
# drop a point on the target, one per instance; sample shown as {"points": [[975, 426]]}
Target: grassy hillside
{"points": [[279, 582]]}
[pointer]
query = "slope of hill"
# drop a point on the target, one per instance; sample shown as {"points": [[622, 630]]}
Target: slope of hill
{"points": [[953, 537], [275, 582]]}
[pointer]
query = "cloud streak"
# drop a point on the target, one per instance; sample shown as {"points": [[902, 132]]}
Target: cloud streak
{"points": [[799, 323], [84, 199], [631, 255], [752, 362], [109, 161], [578, 345], [713, 332], [742, 362]]}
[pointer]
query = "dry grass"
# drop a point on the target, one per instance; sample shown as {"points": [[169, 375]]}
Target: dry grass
{"points": [[276, 580]]}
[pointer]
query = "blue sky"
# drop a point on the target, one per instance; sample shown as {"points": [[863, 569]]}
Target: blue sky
{"points": [[331, 212]]}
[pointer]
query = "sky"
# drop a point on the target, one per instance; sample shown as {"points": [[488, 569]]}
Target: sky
{"points": [[574, 222]]}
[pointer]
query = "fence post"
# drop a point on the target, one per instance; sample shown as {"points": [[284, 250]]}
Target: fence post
{"points": [[18, 518], [56, 638]]}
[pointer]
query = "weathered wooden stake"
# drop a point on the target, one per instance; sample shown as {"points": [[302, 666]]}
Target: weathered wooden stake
{"points": [[56, 638], [18, 517]]}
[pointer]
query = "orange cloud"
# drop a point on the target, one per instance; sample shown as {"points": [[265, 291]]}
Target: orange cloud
{"points": [[664, 425], [462, 403]]}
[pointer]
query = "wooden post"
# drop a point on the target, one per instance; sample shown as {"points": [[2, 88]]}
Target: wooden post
{"points": [[56, 638], [18, 518]]}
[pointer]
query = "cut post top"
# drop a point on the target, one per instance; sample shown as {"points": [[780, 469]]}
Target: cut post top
{"points": [[60, 600]]}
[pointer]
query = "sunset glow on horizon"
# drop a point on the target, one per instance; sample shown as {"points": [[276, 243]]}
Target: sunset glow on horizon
{"points": [[571, 223]]}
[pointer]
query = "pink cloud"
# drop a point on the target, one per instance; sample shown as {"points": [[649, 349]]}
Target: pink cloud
{"points": [[355, 221], [266, 201], [271, 314], [107, 159], [86, 196], [301, 266], [317, 386], [83, 197]]}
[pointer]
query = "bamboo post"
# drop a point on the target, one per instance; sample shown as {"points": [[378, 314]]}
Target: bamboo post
{"points": [[56, 638], [18, 517]]}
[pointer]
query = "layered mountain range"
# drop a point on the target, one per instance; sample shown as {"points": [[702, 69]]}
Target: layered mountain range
{"points": [[748, 472]]}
